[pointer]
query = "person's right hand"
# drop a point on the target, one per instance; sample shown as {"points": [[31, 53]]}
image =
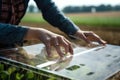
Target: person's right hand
{"points": [[50, 39]]}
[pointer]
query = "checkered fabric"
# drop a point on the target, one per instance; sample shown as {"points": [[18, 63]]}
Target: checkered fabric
{"points": [[12, 11]]}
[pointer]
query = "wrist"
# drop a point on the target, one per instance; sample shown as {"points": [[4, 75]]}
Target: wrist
{"points": [[74, 36], [32, 34]]}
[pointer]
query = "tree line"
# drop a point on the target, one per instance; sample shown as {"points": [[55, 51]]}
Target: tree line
{"points": [[100, 8], [78, 9]]}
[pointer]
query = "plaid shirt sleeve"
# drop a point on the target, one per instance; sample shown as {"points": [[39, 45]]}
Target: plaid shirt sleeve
{"points": [[11, 34], [55, 17]]}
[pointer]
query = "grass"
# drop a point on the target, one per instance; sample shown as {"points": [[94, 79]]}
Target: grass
{"points": [[97, 21], [102, 19], [33, 18]]}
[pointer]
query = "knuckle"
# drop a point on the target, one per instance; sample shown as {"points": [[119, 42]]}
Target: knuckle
{"points": [[66, 45], [53, 37], [47, 45], [60, 37], [47, 39], [91, 32]]}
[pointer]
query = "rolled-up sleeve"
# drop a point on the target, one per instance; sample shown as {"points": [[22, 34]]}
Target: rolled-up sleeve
{"points": [[12, 34], [55, 17]]}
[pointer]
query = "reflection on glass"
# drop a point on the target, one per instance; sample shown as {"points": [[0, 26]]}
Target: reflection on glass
{"points": [[60, 64], [36, 55], [32, 55]]}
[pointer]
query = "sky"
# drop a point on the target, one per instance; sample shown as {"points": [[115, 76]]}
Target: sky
{"points": [[62, 3]]}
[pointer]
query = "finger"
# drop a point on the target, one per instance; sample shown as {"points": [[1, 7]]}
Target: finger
{"points": [[99, 40], [48, 48], [102, 42], [61, 54], [57, 45], [70, 49], [67, 45], [64, 43], [82, 36], [95, 37], [70, 46], [56, 42]]}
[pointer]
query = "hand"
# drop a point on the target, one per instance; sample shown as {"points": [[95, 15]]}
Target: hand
{"points": [[89, 37], [50, 39]]}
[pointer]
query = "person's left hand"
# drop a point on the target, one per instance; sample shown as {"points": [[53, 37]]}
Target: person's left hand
{"points": [[89, 36]]}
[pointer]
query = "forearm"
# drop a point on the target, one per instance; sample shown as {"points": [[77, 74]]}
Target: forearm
{"points": [[30, 35], [35, 33], [55, 17], [11, 34]]}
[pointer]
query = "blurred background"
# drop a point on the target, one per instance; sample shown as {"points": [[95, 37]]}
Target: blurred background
{"points": [[100, 16]]}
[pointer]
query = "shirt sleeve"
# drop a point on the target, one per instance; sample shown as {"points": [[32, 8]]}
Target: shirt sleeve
{"points": [[11, 34], [55, 17]]}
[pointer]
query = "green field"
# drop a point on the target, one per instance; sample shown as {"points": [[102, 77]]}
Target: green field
{"points": [[97, 21], [105, 19]]}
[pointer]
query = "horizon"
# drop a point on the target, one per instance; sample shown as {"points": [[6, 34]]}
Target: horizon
{"points": [[63, 3]]}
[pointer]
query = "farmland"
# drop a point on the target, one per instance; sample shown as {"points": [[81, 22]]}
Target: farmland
{"points": [[105, 24], [102, 19]]}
